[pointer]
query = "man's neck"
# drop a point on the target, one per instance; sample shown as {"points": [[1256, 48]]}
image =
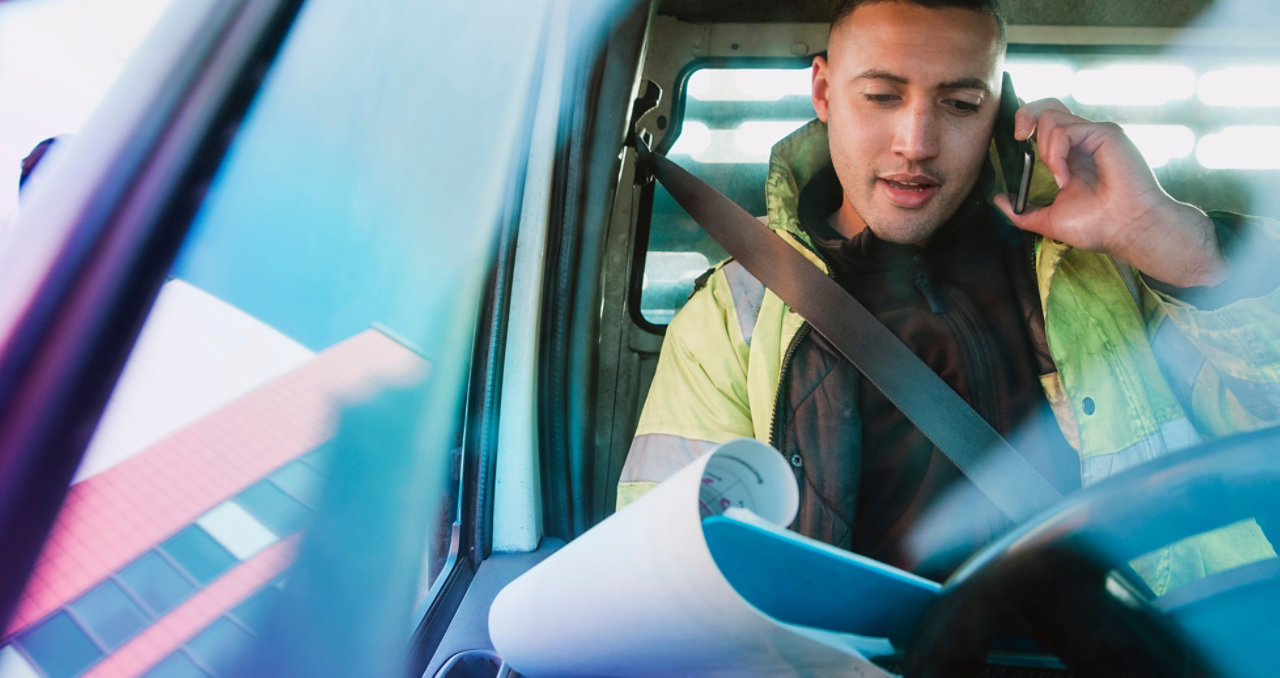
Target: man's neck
{"points": [[846, 221]]}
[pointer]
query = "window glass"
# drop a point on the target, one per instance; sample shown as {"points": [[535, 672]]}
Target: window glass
{"points": [[156, 582], [176, 665], [276, 389], [198, 553], [59, 646], [1200, 119], [282, 514], [215, 646], [108, 614]]}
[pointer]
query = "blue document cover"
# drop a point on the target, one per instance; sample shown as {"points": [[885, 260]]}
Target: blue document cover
{"points": [[800, 580]]}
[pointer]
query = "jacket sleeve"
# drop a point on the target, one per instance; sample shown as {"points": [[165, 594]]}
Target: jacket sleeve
{"points": [[1220, 347], [698, 397]]}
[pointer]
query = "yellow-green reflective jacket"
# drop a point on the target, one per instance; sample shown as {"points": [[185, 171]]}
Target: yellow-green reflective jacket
{"points": [[1140, 373]]}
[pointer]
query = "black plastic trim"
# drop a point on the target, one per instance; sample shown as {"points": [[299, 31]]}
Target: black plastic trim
{"points": [[469, 630], [598, 92]]}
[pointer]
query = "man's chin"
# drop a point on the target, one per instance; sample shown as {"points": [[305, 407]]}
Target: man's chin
{"points": [[908, 233]]}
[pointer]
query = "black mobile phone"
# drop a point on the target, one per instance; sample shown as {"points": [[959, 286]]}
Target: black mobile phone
{"points": [[1016, 157]]}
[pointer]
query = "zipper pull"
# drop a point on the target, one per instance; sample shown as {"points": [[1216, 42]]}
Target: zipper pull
{"points": [[925, 285]]}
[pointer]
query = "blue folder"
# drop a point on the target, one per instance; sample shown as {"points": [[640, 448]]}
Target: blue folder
{"points": [[800, 580]]}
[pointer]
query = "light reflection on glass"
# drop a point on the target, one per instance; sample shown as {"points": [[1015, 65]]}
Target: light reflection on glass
{"points": [[694, 139], [1244, 86], [1161, 143], [748, 84], [753, 140], [1133, 85], [1247, 147], [1033, 80], [749, 142]]}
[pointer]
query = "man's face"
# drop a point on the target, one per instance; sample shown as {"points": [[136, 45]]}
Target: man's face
{"points": [[909, 95]]}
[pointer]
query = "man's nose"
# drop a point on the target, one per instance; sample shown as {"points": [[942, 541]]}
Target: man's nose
{"points": [[917, 134]]}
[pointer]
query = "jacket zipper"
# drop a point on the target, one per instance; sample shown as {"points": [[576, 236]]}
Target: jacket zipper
{"points": [[966, 331], [785, 367], [978, 359], [925, 284], [774, 435]]}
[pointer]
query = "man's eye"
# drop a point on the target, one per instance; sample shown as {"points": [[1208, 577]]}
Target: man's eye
{"points": [[881, 98], [962, 106]]}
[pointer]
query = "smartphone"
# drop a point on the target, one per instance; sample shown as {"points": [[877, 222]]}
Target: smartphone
{"points": [[1017, 158]]}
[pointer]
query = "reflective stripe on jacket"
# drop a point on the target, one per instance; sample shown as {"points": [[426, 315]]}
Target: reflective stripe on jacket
{"points": [[1140, 373]]}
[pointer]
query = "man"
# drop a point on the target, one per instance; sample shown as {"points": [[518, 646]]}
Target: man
{"points": [[1067, 328]]}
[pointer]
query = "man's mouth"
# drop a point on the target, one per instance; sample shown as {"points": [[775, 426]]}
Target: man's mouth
{"points": [[909, 185], [908, 191]]}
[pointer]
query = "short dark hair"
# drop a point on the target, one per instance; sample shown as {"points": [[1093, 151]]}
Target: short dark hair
{"points": [[989, 7]]}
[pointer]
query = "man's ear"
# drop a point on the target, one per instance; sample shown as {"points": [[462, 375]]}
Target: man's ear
{"points": [[821, 84]]}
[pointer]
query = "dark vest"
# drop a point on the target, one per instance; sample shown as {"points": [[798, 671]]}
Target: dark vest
{"points": [[967, 305]]}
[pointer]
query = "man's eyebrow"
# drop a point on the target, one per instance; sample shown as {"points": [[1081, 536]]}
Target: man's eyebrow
{"points": [[966, 83], [960, 83], [874, 74]]}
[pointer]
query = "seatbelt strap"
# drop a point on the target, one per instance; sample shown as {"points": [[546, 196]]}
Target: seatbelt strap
{"points": [[981, 454]]}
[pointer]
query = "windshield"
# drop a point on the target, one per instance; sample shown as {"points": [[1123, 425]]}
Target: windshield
{"points": [[295, 393]]}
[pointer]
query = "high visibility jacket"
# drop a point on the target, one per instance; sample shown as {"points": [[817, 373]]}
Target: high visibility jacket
{"points": [[1140, 373]]}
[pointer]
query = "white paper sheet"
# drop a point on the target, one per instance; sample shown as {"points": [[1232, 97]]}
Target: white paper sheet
{"points": [[640, 595]]}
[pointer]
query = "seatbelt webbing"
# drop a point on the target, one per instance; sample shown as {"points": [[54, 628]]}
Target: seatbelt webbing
{"points": [[981, 454]]}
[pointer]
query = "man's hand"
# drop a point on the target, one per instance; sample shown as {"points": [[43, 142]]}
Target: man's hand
{"points": [[1109, 200]]}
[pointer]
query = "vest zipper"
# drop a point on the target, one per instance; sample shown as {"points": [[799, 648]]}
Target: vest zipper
{"points": [[925, 284], [980, 362], [774, 436]]}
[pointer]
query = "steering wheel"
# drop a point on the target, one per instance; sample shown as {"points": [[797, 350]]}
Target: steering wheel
{"points": [[1059, 579]]}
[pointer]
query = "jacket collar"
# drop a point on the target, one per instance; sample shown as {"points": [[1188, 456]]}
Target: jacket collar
{"points": [[792, 165]]}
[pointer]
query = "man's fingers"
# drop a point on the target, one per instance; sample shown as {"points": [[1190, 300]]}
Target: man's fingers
{"points": [[1045, 118], [1032, 219], [1062, 135], [1054, 146], [1001, 201], [1074, 144], [1027, 117]]}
